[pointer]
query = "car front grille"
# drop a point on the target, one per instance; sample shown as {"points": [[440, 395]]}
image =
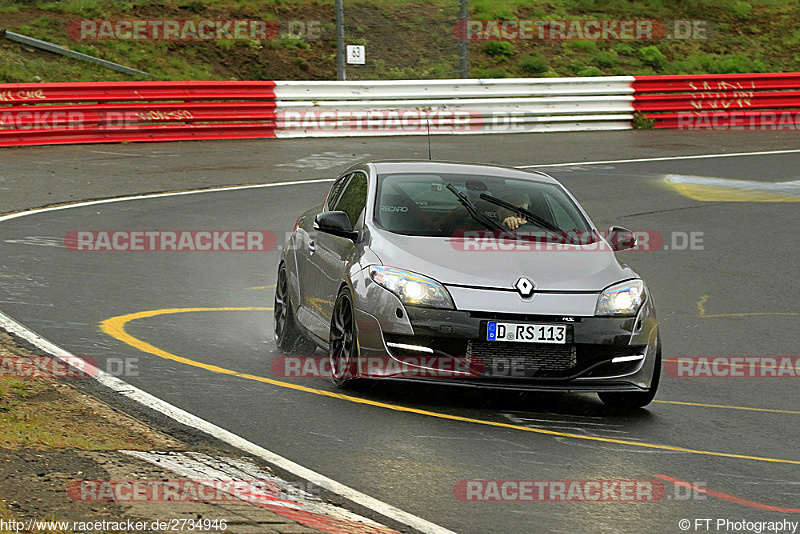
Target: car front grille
{"points": [[524, 359]]}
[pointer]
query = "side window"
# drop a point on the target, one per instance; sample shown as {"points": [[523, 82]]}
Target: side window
{"points": [[336, 190], [563, 218], [353, 198]]}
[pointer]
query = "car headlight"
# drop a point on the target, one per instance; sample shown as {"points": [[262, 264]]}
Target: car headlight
{"points": [[621, 299], [411, 288]]}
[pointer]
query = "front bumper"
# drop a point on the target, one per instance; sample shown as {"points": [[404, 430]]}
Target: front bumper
{"points": [[601, 353]]}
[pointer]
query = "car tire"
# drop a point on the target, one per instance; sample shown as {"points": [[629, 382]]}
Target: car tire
{"points": [[632, 401], [287, 335], [343, 349]]}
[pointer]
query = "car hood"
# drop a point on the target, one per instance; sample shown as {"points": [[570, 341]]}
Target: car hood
{"points": [[569, 268]]}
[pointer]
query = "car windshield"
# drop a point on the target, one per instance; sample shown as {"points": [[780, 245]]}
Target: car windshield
{"points": [[428, 204]]}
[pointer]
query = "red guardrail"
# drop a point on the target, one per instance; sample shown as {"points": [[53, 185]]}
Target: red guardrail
{"points": [[20, 93], [721, 101], [106, 112], [716, 82]]}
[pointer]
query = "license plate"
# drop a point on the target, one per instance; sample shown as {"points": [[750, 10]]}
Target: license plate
{"points": [[526, 333]]}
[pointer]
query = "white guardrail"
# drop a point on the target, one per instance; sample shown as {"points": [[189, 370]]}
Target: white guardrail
{"points": [[414, 107]]}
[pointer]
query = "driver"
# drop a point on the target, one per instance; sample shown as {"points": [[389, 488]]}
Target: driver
{"points": [[511, 219], [515, 220]]}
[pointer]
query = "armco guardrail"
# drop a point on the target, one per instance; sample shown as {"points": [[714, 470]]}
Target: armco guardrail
{"points": [[412, 107], [40, 114], [723, 101], [37, 114]]}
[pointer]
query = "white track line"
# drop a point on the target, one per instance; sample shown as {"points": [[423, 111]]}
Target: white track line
{"points": [[185, 418], [157, 195], [666, 158]]}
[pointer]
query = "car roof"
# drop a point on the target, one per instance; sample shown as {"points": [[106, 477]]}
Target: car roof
{"points": [[421, 166]]}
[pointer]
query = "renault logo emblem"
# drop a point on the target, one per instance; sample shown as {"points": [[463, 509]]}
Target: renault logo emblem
{"points": [[524, 287]]}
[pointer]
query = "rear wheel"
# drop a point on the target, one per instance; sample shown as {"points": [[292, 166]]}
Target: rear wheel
{"points": [[631, 401], [343, 342], [286, 332]]}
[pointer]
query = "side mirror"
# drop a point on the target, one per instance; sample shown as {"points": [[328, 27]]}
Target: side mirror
{"points": [[335, 223], [621, 238]]}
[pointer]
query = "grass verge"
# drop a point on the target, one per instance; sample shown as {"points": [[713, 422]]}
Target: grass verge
{"points": [[405, 39]]}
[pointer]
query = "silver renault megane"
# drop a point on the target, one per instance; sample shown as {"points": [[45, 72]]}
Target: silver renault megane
{"points": [[469, 274]]}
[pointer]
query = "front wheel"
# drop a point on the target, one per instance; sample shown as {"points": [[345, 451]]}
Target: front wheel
{"points": [[343, 342], [631, 401]]}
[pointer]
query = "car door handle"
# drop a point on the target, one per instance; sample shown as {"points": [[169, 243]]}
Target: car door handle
{"points": [[311, 246]]}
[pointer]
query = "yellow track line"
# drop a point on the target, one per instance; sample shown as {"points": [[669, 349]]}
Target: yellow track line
{"points": [[701, 311], [115, 327], [725, 406]]}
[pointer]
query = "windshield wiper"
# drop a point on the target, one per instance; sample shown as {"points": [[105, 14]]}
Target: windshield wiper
{"points": [[475, 213], [529, 215]]}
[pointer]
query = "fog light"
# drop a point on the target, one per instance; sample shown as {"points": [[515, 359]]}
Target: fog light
{"points": [[405, 346], [622, 359]]}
